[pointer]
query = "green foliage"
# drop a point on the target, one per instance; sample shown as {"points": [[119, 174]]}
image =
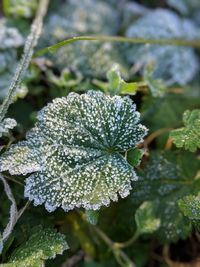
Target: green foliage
{"points": [[20, 8], [92, 216], [190, 206], [77, 143], [189, 135], [43, 244], [165, 180], [134, 156], [82, 57], [146, 219], [157, 87], [85, 151], [117, 85]]}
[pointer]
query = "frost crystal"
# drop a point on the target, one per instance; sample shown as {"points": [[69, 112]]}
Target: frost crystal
{"points": [[174, 64], [74, 151]]}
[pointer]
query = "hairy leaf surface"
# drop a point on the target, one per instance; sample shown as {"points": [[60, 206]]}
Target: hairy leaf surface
{"points": [[43, 244], [190, 206], [75, 151]]}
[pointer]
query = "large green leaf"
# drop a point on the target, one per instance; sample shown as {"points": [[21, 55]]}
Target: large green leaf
{"points": [[189, 135], [75, 151], [167, 178], [43, 244]]}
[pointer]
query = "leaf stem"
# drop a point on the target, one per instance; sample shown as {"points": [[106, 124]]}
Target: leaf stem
{"points": [[119, 39], [120, 256], [30, 43], [128, 242]]}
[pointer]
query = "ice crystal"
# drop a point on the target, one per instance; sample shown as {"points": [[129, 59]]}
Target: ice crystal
{"points": [[43, 244], [74, 151], [189, 135], [174, 64]]}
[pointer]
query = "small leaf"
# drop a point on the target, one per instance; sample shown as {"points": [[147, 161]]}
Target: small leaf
{"points": [[43, 244], [146, 219], [75, 152], [117, 85], [92, 216], [134, 156], [189, 135], [156, 86], [190, 206]]}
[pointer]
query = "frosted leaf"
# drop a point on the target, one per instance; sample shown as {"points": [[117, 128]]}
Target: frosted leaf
{"points": [[186, 7], [173, 64], [165, 179], [43, 244], [80, 17], [75, 151], [189, 135], [6, 125], [156, 87], [10, 39], [92, 59], [9, 36], [85, 17], [190, 206]]}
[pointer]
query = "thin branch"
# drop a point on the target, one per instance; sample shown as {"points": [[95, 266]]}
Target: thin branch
{"points": [[156, 134], [14, 213], [119, 39], [13, 210], [30, 43], [120, 256]]}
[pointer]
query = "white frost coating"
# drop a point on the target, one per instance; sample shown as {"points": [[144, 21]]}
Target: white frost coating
{"points": [[74, 152], [6, 125], [173, 64]]}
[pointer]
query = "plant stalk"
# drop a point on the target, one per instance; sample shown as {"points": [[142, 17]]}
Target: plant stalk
{"points": [[119, 39], [31, 42]]}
